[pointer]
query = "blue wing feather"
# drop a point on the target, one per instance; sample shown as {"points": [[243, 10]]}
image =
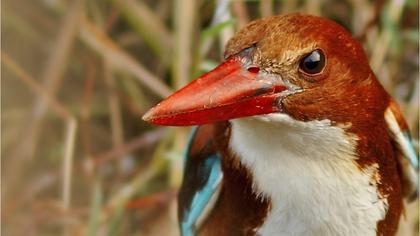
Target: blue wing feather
{"points": [[406, 154], [202, 197], [202, 178], [411, 153]]}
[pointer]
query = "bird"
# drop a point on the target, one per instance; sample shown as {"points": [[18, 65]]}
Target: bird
{"points": [[294, 135]]}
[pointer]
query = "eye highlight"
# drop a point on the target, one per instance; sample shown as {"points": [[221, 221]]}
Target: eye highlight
{"points": [[313, 63]]}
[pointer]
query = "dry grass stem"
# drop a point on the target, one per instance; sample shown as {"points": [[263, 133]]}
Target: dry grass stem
{"points": [[240, 12], [223, 14], [56, 64], [33, 85], [69, 143], [102, 44], [114, 106], [394, 11], [144, 140], [184, 27], [148, 25], [266, 8], [78, 76]]}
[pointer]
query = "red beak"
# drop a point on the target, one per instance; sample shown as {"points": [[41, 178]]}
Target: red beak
{"points": [[229, 91]]}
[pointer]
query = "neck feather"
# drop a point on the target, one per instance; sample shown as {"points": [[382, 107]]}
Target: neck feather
{"points": [[308, 171]]}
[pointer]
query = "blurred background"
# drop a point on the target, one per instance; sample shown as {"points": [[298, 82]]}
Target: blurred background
{"points": [[77, 75]]}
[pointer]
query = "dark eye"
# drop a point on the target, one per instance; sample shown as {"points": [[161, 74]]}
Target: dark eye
{"points": [[313, 63]]}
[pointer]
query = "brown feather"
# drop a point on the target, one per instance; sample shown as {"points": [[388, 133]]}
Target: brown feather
{"points": [[238, 211], [346, 92]]}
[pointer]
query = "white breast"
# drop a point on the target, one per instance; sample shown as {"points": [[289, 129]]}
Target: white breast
{"points": [[307, 169]]}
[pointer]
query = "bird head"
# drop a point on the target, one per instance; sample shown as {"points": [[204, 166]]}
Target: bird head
{"points": [[307, 67]]}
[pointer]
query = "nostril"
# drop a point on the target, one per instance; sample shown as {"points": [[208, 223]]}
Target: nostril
{"points": [[254, 69]]}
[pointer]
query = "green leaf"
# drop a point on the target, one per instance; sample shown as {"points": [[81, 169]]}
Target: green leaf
{"points": [[411, 3], [216, 29], [411, 35], [95, 210], [207, 66], [115, 223]]}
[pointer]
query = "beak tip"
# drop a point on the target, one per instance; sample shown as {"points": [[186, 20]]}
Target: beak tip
{"points": [[148, 116]]}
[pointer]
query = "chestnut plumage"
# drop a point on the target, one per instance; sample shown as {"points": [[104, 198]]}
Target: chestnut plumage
{"points": [[303, 87]]}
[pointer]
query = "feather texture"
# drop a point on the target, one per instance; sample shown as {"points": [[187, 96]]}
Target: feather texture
{"points": [[202, 181], [406, 155]]}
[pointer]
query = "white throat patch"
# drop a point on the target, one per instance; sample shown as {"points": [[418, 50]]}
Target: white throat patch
{"points": [[307, 169]]}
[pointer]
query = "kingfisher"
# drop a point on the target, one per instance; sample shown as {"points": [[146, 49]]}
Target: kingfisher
{"points": [[294, 136]]}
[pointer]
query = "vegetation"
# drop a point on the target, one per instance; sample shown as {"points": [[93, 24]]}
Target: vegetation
{"points": [[78, 75]]}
